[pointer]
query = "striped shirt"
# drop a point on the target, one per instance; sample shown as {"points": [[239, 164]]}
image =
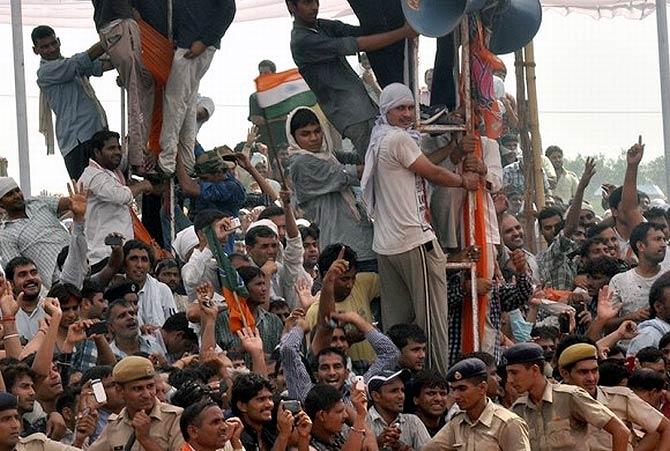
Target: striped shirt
{"points": [[39, 236]]}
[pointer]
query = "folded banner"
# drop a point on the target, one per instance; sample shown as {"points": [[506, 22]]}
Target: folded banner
{"points": [[279, 94]]}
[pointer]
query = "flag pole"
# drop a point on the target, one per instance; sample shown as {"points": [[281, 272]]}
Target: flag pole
{"points": [[173, 230], [274, 151]]}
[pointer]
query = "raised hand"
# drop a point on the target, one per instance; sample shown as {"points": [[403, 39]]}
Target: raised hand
{"points": [[223, 228], [589, 172], [284, 421], [337, 269], [252, 135], [52, 308], [251, 340], [304, 291], [519, 261], [635, 153], [606, 308], [627, 330], [78, 200], [77, 331], [303, 424], [8, 305]]}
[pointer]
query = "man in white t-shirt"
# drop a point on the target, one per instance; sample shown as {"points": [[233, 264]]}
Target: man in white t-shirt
{"points": [[411, 261], [631, 288]]}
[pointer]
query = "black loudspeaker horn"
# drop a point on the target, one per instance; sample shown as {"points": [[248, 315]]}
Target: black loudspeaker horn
{"points": [[514, 24], [434, 18]]}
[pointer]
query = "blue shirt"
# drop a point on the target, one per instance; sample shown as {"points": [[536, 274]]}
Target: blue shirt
{"points": [[77, 117], [227, 195]]}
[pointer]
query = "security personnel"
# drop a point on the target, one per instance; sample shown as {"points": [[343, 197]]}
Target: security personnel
{"points": [[578, 365], [557, 415], [145, 423], [481, 424], [10, 426]]}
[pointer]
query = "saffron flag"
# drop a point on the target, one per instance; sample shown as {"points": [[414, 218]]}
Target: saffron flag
{"points": [[279, 94]]}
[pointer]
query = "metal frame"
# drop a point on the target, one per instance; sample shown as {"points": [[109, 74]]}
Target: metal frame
{"points": [[467, 127]]}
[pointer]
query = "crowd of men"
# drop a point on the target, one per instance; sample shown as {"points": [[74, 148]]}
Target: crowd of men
{"points": [[305, 301]]}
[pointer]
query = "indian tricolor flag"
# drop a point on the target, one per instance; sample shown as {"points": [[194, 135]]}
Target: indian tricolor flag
{"points": [[279, 94]]}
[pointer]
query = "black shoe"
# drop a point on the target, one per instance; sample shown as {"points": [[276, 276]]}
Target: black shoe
{"points": [[430, 114]]}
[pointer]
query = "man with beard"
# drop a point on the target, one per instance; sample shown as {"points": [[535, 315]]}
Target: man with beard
{"points": [[167, 271], [152, 424], [480, 424], [310, 258], [631, 288], [109, 199], [578, 365], [122, 323], [514, 238], [393, 428], [251, 401], [27, 284]]}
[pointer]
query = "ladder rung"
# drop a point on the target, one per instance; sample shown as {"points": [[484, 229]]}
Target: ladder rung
{"points": [[464, 265], [439, 128]]}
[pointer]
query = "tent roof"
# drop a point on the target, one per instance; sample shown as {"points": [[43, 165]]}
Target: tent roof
{"points": [[78, 13]]}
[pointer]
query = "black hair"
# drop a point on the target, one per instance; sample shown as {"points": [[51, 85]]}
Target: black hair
{"points": [[401, 334], [656, 292], [639, 234], [90, 288], [271, 212], [189, 374], [568, 341], [14, 263], [249, 273], [68, 398], [64, 291], [598, 228], [98, 139], [605, 265], [664, 341], [485, 357], [41, 32], [329, 255], [617, 195], [545, 332], [550, 212], [654, 213], [321, 397], [302, 118], [616, 349], [427, 379], [551, 150], [191, 415], [258, 232], [97, 372], [61, 257], [179, 323], [309, 231], [246, 387], [12, 373], [646, 379], [611, 373], [268, 63], [588, 243], [649, 354], [240, 256], [166, 263], [206, 217], [139, 245], [329, 351]]}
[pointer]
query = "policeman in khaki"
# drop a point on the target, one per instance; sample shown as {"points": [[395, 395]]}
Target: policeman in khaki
{"points": [[578, 365], [10, 426], [145, 423], [481, 424], [558, 416]]}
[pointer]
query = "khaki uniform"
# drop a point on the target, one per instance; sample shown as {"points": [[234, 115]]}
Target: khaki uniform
{"points": [[560, 421], [40, 442], [164, 430], [636, 414], [496, 429]]}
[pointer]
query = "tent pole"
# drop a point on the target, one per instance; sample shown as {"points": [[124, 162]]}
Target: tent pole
{"points": [[20, 93], [664, 73]]}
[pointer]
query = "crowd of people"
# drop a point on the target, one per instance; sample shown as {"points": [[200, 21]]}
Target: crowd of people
{"points": [[305, 301]]}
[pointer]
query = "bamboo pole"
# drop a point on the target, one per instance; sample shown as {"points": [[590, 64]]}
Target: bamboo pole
{"points": [[528, 218], [534, 126]]}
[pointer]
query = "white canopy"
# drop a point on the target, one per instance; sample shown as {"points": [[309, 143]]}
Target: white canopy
{"points": [[79, 13]]}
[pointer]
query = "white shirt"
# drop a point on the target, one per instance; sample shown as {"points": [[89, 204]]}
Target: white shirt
{"points": [[107, 210], [632, 290], [156, 303], [402, 219], [27, 324]]}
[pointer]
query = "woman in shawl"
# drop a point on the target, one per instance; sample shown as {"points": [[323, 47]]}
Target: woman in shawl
{"points": [[323, 187]]}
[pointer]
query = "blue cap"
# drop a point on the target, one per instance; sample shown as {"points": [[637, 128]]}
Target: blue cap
{"points": [[466, 369], [7, 401], [523, 353]]}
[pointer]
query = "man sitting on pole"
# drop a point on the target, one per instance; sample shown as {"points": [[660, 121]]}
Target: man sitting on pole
{"points": [[411, 261], [319, 48], [65, 90]]}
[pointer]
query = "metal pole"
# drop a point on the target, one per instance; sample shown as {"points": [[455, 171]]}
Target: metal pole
{"points": [[664, 74], [20, 93], [123, 112]]}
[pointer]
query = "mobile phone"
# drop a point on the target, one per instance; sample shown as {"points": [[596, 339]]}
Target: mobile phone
{"points": [[564, 323], [236, 223], [113, 240], [292, 406], [99, 391], [99, 328], [359, 383]]}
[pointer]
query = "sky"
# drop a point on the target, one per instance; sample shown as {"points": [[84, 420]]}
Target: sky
{"points": [[598, 87]]}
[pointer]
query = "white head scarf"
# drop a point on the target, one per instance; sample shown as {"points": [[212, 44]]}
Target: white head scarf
{"points": [[184, 242], [393, 95], [7, 184]]}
